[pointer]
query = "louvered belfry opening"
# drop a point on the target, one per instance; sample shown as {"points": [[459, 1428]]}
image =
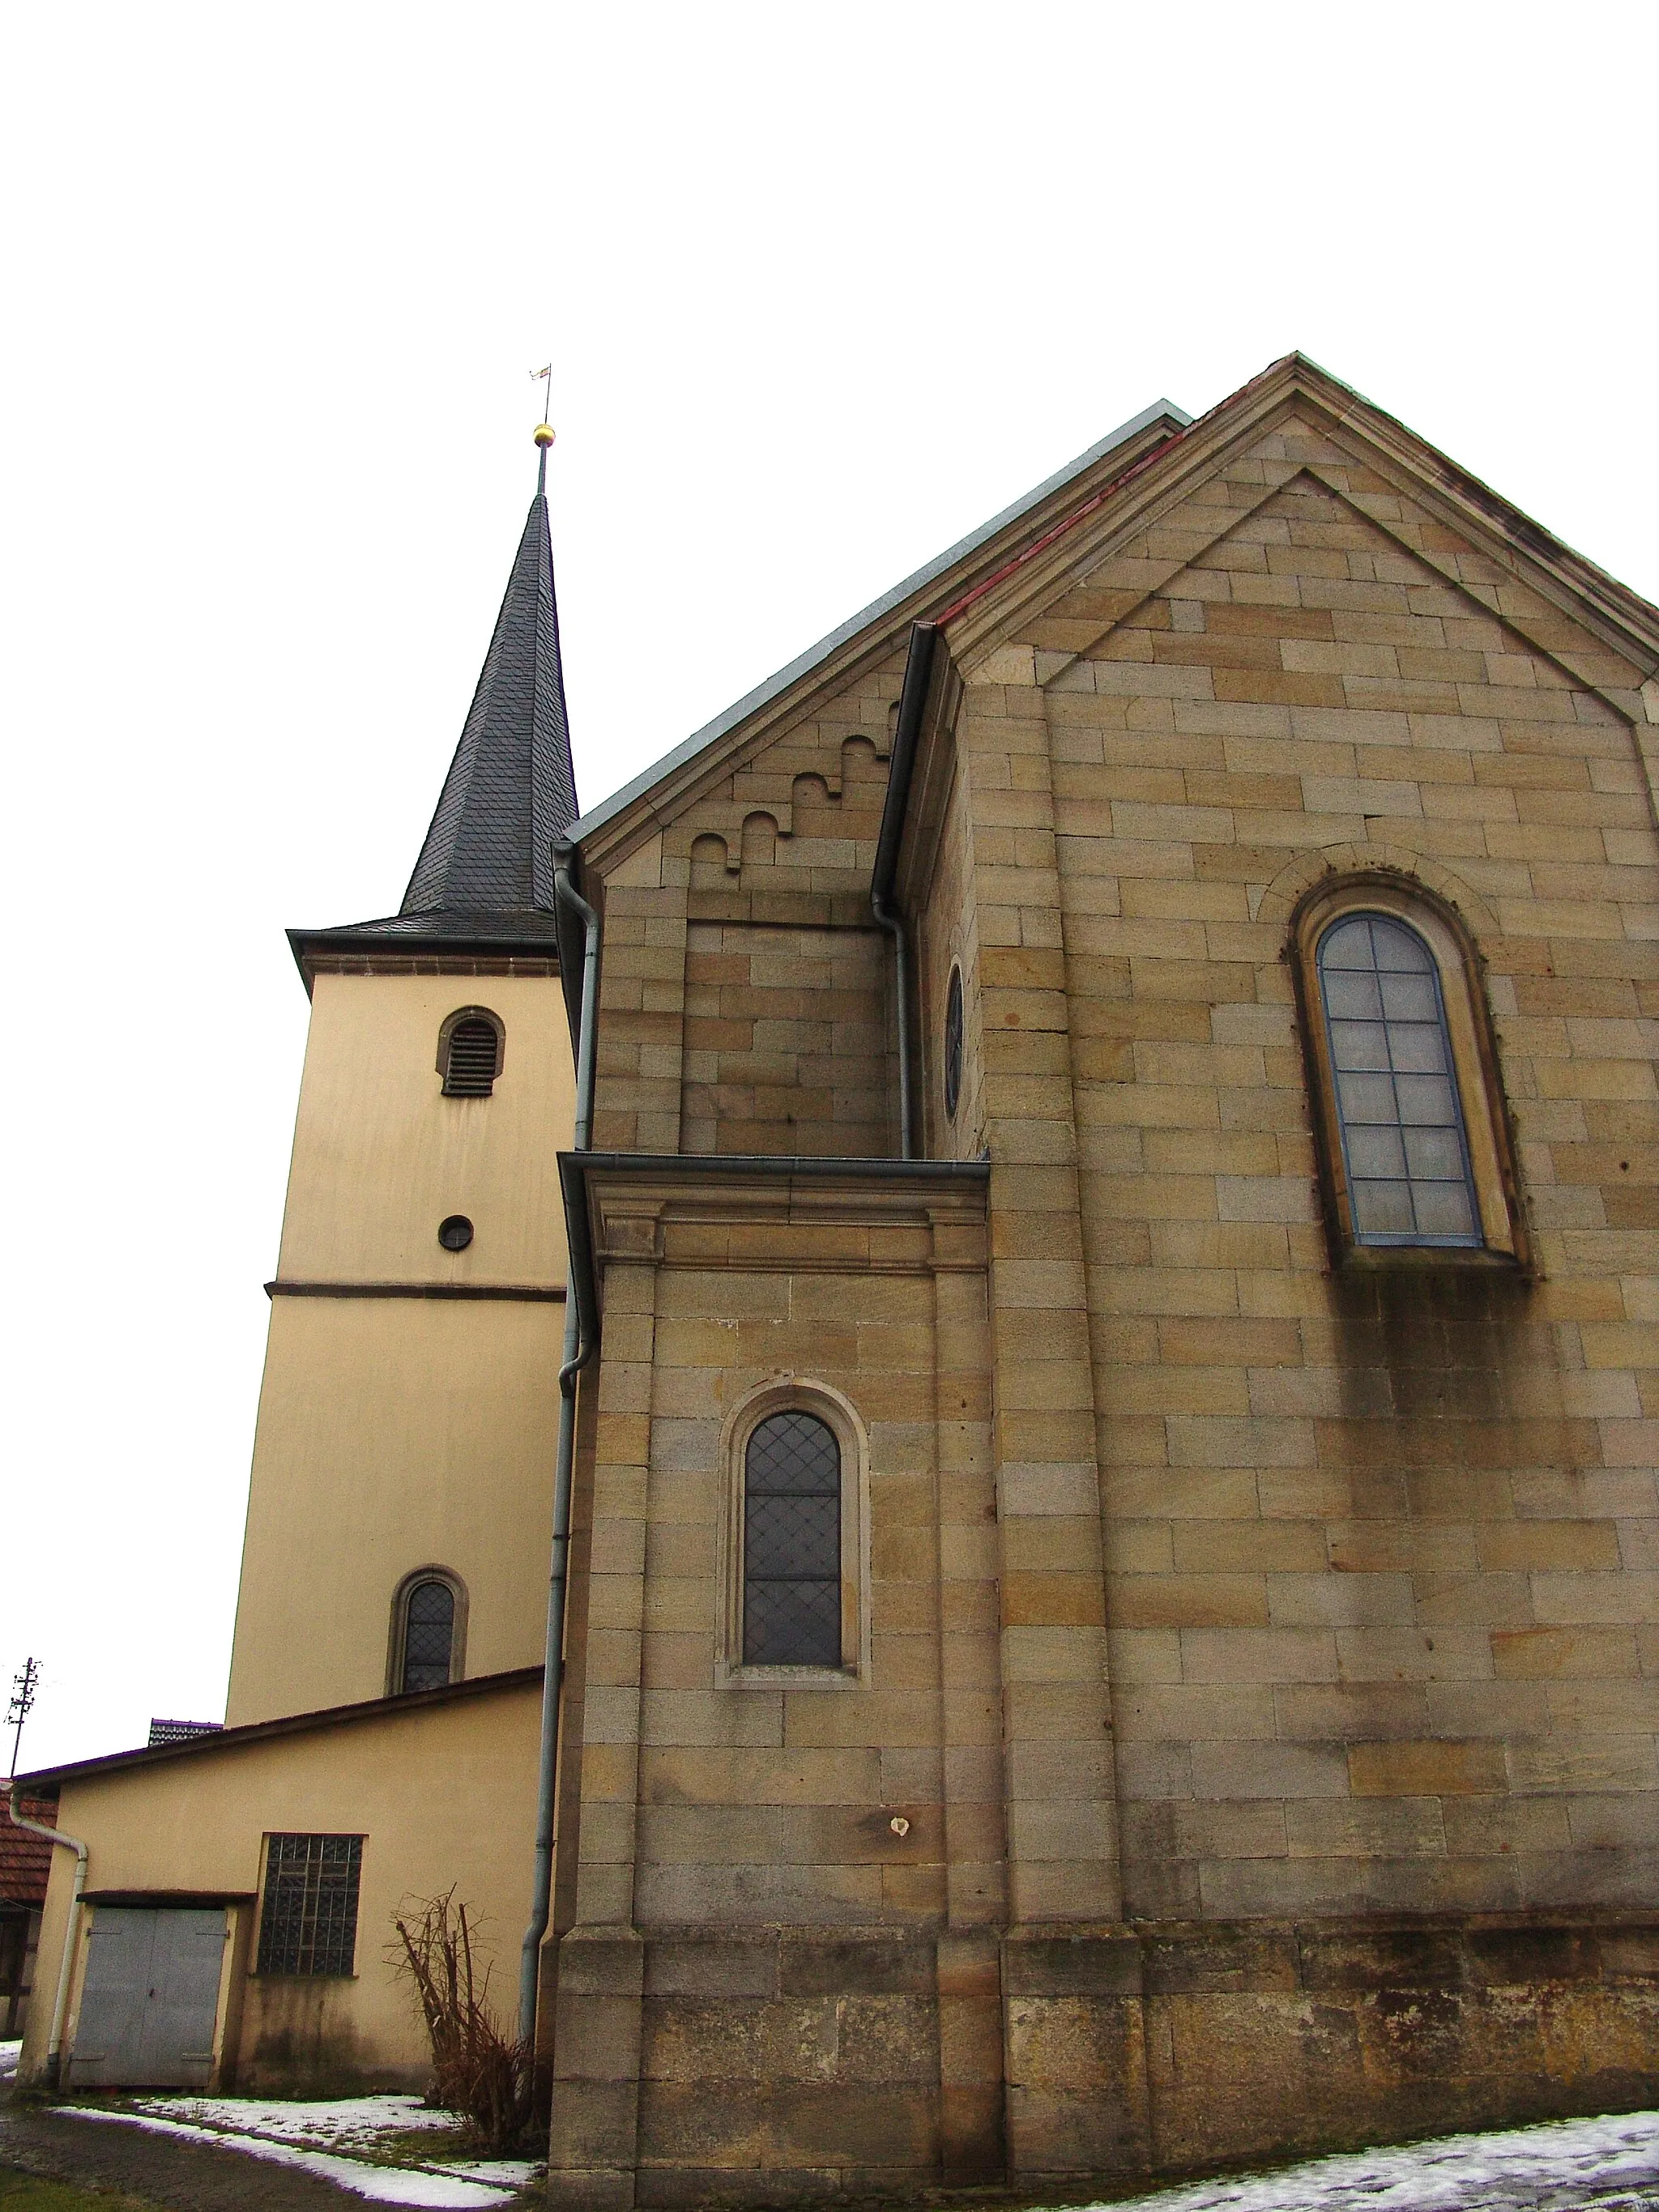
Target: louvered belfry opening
{"points": [[792, 1544], [471, 1057]]}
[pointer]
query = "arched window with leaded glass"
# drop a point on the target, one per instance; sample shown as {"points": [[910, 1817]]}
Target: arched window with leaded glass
{"points": [[1405, 1140], [792, 1543], [1410, 1123], [429, 1623]]}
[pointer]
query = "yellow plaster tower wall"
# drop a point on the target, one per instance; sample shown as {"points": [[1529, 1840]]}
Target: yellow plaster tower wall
{"points": [[380, 1155], [407, 1415]]}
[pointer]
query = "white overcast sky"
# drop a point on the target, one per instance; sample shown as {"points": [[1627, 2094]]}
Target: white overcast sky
{"points": [[824, 287]]}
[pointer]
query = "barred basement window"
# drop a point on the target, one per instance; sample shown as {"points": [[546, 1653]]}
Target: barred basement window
{"points": [[308, 1924], [472, 1046], [791, 1542]]}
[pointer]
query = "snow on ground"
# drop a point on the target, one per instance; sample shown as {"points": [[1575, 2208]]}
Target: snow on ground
{"points": [[352, 2125], [1560, 2166], [338, 2124], [459, 2188], [1557, 2167], [9, 2053]]}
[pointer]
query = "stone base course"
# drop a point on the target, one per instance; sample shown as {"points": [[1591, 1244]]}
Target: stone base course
{"points": [[708, 2066]]}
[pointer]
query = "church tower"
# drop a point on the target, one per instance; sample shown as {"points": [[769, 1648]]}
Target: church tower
{"points": [[399, 1518]]}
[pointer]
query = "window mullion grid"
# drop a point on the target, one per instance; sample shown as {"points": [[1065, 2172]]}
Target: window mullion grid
{"points": [[1418, 1234]]}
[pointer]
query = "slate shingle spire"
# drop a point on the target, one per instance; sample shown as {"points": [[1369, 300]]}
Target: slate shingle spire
{"points": [[511, 789], [485, 872]]}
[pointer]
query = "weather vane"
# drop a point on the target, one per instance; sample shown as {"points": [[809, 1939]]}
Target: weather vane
{"points": [[544, 428], [24, 1685]]}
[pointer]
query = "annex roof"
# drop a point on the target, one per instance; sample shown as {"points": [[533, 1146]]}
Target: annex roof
{"points": [[233, 1739], [25, 1860], [804, 664], [1030, 552]]}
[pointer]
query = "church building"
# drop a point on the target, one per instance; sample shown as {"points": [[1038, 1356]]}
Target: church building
{"points": [[963, 1398]]}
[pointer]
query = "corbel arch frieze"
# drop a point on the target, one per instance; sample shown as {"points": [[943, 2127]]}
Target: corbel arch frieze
{"points": [[727, 830], [758, 800]]}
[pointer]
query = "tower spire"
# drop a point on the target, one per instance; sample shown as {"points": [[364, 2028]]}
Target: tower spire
{"points": [[485, 872], [511, 786]]}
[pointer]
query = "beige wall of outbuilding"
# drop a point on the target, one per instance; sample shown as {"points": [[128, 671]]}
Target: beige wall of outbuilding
{"points": [[442, 1795]]}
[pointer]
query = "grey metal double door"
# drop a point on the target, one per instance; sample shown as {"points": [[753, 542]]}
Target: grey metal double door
{"points": [[149, 1999]]}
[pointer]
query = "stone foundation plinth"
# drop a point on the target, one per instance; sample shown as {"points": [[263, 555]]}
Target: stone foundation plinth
{"points": [[704, 2067]]}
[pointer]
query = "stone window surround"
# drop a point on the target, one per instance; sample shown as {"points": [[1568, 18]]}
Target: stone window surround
{"points": [[1475, 1060], [789, 1392], [446, 1029], [400, 1596]]}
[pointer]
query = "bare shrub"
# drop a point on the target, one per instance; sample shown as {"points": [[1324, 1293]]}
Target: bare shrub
{"points": [[488, 2078]]}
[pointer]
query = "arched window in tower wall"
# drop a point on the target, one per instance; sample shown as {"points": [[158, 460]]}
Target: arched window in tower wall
{"points": [[792, 1544], [429, 1619], [471, 1046]]}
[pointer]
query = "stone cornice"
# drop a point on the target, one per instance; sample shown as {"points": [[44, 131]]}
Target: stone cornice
{"points": [[794, 1216]]}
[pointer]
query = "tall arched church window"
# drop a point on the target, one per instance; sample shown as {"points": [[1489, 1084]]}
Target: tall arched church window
{"points": [[1407, 1100], [471, 1046], [1404, 1141], [792, 1543], [429, 1623]]}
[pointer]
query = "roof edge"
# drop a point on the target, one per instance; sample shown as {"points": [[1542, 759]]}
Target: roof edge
{"points": [[803, 1167], [764, 694], [328, 1717], [371, 942]]}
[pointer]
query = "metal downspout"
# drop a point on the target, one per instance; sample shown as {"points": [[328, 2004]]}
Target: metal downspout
{"points": [[912, 699], [577, 1353], [55, 2047]]}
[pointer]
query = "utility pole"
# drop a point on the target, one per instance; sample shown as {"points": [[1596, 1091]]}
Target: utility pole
{"points": [[24, 1684]]}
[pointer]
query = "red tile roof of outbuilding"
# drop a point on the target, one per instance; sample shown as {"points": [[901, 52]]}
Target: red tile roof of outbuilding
{"points": [[25, 1860]]}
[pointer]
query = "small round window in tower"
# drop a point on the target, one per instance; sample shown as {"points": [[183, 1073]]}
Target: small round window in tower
{"points": [[953, 1045], [455, 1232]]}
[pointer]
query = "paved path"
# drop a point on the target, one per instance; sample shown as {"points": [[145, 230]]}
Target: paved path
{"points": [[181, 2176]]}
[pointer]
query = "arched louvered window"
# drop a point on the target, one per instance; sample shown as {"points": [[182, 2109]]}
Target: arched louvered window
{"points": [[470, 1049], [792, 1544], [425, 1633], [1404, 1138]]}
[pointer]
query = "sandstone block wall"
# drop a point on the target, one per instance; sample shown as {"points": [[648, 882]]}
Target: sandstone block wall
{"points": [[1262, 1636], [1379, 1545], [715, 1810]]}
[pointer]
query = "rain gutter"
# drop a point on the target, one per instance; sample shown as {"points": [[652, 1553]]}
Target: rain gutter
{"points": [[581, 1342], [912, 698], [71, 1928]]}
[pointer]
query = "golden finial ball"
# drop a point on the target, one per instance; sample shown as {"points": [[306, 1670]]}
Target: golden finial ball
{"points": [[544, 434]]}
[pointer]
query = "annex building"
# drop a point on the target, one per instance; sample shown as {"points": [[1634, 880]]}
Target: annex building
{"points": [[1104, 1395]]}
